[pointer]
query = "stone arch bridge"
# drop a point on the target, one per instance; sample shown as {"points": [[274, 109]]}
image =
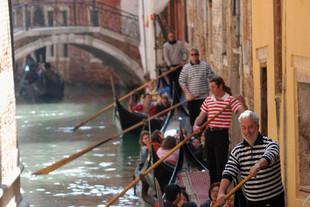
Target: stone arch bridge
{"points": [[107, 33]]}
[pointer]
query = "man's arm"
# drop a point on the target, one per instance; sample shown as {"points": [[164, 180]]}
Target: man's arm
{"points": [[199, 120], [225, 183], [260, 164], [243, 106], [270, 155], [238, 104], [166, 56], [183, 83], [188, 95]]}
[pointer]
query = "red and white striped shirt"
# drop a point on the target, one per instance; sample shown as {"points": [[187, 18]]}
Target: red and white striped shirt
{"points": [[212, 106]]}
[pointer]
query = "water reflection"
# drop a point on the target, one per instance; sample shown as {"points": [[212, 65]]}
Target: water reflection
{"points": [[45, 136]]}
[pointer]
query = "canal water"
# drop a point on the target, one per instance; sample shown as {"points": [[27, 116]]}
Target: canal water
{"points": [[45, 136]]}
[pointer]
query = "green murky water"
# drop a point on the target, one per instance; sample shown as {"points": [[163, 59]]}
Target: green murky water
{"points": [[45, 135]]}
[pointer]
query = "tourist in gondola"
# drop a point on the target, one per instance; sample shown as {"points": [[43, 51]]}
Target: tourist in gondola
{"points": [[168, 143], [213, 191], [156, 139], [194, 83], [259, 157], [196, 147], [172, 195], [163, 104], [217, 136], [144, 142], [151, 89], [189, 204], [175, 55], [145, 106]]}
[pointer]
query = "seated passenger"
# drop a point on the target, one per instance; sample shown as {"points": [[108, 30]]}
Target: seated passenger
{"points": [[151, 89], [172, 195], [144, 106], [196, 148], [144, 142], [166, 146], [163, 104], [156, 139], [213, 191]]}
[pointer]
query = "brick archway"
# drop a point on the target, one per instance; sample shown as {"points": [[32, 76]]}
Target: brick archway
{"points": [[131, 66]]}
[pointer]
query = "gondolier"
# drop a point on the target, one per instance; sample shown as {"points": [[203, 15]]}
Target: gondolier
{"points": [[257, 156], [217, 138], [175, 55], [193, 80]]}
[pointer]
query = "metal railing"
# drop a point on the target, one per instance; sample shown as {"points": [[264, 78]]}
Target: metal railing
{"points": [[87, 13]]}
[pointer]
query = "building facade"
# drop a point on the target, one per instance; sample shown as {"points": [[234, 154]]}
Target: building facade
{"points": [[261, 48], [221, 30], [281, 71]]}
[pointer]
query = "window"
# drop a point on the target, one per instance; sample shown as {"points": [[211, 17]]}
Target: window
{"points": [[50, 18], [304, 134], [28, 18], [64, 15], [52, 50], [94, 17], [264, 101], [65, 50]]}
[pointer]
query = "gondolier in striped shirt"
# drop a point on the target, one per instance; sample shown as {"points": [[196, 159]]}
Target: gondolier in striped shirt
{"points": [[194, 81], [257, 156], [217, 137]]}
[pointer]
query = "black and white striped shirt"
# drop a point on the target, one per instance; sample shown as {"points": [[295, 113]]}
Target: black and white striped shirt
{"points": [[195, 77], [267, 183]]}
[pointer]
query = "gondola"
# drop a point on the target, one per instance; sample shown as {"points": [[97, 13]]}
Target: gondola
{"points": [[190, 172], [41, 85], [124, 119], [187, 166]]}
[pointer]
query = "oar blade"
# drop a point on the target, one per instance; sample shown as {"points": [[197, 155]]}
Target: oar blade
{"points": [[72, 157]]}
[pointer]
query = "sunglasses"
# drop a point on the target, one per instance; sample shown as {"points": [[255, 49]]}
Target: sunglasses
{"points": [[194, 54]]}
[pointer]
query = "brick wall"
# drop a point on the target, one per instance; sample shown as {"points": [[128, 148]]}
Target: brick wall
{"points": [[9, 168]]}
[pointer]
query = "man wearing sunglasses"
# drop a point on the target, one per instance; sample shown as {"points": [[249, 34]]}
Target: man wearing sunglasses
{"points": [[194, 81]]}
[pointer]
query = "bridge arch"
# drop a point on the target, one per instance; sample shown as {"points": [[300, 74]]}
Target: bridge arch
{"points": [[131, 66]]}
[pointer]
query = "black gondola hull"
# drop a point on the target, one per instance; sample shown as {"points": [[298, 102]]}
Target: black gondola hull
{"points": [[125, 119]]}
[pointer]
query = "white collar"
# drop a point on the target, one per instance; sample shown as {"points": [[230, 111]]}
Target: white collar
{"points": [[226, 95]]}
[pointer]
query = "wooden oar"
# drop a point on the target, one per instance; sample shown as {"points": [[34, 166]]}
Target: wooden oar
{"points": [[64, 161], [232, 191], [143, 174], [104, 109], [240, 184]]}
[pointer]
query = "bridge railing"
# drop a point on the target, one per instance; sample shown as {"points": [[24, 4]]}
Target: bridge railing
{"points": [[51, 13]]}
